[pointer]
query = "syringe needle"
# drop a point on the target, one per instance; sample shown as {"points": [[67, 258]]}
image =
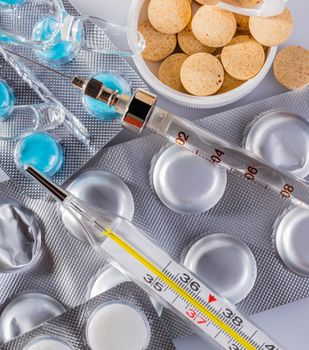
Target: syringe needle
{"points": [[37, 63], [58, 192]]}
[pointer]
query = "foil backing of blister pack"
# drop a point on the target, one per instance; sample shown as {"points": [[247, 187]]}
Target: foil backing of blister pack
{"points": [[246, 210], [71, 325], [50, 86], [65, 265]]}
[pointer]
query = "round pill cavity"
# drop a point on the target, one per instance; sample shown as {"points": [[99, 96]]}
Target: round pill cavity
{"points": [[169, 71], [107, 278], [282, 138], [186, 183], [114, 82], [158, 45], [48, 343], [20, 237], [213, 26], [169, 16], [7, 99], [202, 74], [26, 312], [225, 264], [292, 241], [40, 150], [291, 67], [243, 60], [189, 44], [272, 31], [62, 51], [111, 277], [103, 191], [109, 321]]}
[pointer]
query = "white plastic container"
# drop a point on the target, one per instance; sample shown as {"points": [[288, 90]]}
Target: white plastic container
{"points": [[148, 70]]}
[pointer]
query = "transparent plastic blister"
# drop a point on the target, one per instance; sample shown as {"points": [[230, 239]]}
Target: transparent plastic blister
{"points": [[246, 210], [71, 328], [81, 135]]}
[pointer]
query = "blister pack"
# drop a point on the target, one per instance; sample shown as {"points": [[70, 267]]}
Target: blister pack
{"points": [[122, 318], [227, 211], [82, 134], [41, 264]]}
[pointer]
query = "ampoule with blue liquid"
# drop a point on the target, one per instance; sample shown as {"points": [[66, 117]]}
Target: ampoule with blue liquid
{"points": [[59, 53]]}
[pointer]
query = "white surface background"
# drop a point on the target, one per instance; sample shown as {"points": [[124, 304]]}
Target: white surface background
{"points": [[287, 324]]}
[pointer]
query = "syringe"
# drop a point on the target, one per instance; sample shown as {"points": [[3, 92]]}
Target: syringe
{"points": [[140, 111], [144, 262]]}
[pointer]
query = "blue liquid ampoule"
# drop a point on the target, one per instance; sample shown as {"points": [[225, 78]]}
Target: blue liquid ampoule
{"points": [[62, 51]]}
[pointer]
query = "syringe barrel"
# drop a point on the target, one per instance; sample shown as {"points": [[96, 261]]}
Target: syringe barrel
{"points": [[140, 110], [234, 158]]}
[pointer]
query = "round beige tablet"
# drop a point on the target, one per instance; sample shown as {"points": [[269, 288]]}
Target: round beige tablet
{"points": [[169, 16], [169, 71], [243, 60], [213, 26], [291, 67], [242, 21], [202, 74], [272, 31], [158, 45], [189, 44], [229, 83]]}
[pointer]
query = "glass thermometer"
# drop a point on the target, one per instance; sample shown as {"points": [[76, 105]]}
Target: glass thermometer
{"points": [[129, 249]]}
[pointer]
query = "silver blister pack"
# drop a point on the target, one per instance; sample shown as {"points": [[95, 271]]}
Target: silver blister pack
{"points": [[62, 269], [245, 211], [78, 123], [72, 330]]}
